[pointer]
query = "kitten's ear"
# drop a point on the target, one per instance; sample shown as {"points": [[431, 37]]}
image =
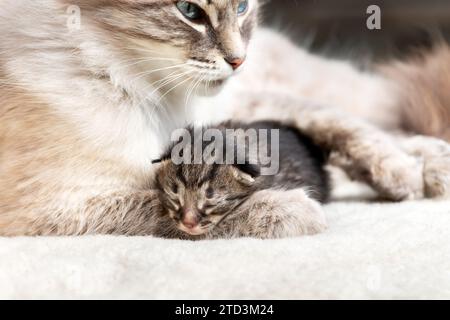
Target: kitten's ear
{"points": [[247, 172], [251, 169]]}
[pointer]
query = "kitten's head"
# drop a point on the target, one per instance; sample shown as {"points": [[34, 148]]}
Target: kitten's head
{"points": [[198, 197], [197, 40]]}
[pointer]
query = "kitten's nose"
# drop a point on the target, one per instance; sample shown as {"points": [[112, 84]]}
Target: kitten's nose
{"points": [[234, 62], [189, 225], [190, 219]]}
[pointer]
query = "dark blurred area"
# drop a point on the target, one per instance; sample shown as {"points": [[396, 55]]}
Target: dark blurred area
{"points": [[338, 27]]}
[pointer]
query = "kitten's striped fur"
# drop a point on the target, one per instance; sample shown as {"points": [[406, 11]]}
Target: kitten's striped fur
{"points": [[202, 198]]}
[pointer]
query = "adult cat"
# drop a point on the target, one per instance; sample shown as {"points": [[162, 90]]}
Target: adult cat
{"points": [[85, 110]]}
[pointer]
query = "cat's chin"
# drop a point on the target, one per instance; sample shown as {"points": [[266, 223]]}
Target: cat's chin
{"points": [[211, 88], [194, 233], [197, 231]]}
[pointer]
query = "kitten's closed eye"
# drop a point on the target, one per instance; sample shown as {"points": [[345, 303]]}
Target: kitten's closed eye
{"points": [[209, 206], [209, 193]]}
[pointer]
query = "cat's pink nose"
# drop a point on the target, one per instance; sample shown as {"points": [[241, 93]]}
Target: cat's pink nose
{"points": [[189, 225], [190, 219], [235, 63]]}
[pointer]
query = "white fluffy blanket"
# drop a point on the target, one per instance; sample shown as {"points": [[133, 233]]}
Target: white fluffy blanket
{"points": [[370, 251]]}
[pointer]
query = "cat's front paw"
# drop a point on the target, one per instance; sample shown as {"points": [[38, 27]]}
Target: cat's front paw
{"points": [[437, 177], [436, 156], [377, 160], [282, 214], [398, 177]]}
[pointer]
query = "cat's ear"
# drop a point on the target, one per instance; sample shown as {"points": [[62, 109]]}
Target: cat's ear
{"points": [[247, 173]]}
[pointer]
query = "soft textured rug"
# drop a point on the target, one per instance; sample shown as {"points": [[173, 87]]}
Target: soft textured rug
{"points": [[370, 251]]}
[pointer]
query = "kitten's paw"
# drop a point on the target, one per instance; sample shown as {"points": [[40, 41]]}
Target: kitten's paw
{"points": [[436, 156], [283, 214]]}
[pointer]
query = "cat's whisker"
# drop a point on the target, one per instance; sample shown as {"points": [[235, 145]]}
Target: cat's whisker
{"points": [[171, 79], [157, 85], [149, 96], [207, 86], [124, 64], [199, 83], [150, 72], [191, 85], [192, 89], [173, 88], [165, 82], [151, 57], [146, 50]]}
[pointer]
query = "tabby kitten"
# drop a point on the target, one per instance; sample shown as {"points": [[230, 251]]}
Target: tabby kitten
{"points": [[199, 197]]}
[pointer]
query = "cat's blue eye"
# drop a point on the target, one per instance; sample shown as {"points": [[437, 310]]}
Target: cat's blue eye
{"points": [[242, 7], [190, 10]]}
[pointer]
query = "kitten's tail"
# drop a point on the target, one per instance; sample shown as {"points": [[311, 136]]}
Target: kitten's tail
{"points": [[424, 92]]}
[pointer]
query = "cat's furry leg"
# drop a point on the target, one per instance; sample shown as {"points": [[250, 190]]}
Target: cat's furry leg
{"points": [[435, 154], [385, 166], [122, 213], [133, 213], [272, 214]]}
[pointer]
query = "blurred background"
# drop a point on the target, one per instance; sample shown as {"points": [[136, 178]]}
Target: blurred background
{"points": [[338, 27]]}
